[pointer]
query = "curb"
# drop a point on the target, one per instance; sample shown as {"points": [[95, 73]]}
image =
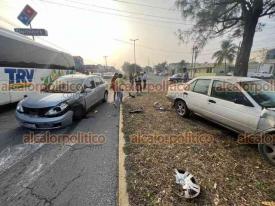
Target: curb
{"points": [[123, 199]]}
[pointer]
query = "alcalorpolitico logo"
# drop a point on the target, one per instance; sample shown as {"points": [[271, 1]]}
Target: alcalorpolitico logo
{"points": [[183, 138], [77, 138]]}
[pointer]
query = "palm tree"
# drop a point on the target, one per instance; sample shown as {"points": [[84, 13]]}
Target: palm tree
{"points": [[226, 54]]}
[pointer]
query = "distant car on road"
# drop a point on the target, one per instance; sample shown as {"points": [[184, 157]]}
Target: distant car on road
{"points": [[176, 78], [108, 75], [262, 75], [68, 98], [242, 104]]}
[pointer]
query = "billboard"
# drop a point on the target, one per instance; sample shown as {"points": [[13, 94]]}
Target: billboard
{"points": [[27, 15]]}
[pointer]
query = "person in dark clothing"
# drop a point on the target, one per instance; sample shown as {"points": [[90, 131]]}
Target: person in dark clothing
{"points": [[138, 83], [144, 79], [185, 75]]}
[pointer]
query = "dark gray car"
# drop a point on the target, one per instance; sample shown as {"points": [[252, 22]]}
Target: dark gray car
{"points": [[68, 98]]}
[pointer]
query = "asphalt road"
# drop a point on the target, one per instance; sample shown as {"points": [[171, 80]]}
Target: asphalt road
{"points": [[50, 174]]}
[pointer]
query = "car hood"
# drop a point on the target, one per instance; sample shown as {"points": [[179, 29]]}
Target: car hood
{"points": [[45, 100]]}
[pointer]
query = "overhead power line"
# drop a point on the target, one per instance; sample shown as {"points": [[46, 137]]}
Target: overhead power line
{"points": [[160, 50], [144, 5], [124, 11], [113, 14]]}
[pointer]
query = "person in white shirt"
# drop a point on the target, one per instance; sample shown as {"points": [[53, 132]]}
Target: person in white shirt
{"points": [[144, 79]]}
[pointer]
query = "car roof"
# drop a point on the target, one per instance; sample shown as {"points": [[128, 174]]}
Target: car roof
{"points": [[77, 76], [232, 79]]}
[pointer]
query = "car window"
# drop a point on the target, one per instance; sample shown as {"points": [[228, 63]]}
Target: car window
{"points": [[90, 83], [202, 86], [98, 81], [226, 91], [189, 87]]}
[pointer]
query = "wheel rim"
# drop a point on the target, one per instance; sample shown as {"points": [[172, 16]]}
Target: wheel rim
{"points": [[269, 150], [180, 108]]}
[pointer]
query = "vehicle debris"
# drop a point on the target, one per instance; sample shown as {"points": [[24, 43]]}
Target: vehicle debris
{"points": [[160, 107], [189, 185], [137, 110]]}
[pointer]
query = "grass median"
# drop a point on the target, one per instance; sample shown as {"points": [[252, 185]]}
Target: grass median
{"points": [[228, 173]]}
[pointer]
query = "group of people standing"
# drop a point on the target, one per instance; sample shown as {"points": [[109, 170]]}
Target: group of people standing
{"points": [[138, 82]]}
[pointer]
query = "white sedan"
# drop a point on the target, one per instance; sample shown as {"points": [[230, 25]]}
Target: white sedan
{"points": [[242, 104]]}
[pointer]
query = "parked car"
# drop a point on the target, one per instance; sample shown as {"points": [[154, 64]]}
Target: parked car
{"points": [[176, 78], [262, 75], [230, 74], [68, 98], [108, 75], [242, 104]]}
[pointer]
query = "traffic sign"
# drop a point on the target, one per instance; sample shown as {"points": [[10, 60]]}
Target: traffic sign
{"points": [[32, 32], [27, 15]]}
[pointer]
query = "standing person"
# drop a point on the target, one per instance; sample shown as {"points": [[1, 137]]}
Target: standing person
{"points": [[185, 75], [119, 84], [144, 79], [113, 85], [138, 83], [131, 79]]}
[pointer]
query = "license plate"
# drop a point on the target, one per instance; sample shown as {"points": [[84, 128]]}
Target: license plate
{"points": [[29, 125]]}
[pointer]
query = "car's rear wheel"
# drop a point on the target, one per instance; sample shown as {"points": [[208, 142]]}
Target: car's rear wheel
{"points": [[268, 152], [181, 108], [79, 113], [105, 98]]}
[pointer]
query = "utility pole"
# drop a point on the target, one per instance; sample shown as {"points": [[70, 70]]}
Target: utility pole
{"points": [[134, 40], [194, 58], [106, 65]]}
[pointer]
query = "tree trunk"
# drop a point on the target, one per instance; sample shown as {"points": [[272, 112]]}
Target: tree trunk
{"points": [[250, 24], [225, 66]]}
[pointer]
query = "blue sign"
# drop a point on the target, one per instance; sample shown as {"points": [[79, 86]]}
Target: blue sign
{"points": [[19, 75], [27, 15]]}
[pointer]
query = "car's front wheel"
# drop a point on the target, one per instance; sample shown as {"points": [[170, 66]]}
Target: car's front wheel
{"points": [[268, 152], [105, 98], [79, 113], [181, 108]]}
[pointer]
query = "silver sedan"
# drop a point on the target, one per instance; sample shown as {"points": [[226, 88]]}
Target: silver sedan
{"points": [[68, 98]]}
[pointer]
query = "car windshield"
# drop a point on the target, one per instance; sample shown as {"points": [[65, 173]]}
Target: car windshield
{"points": [[261, 91], [66, 85]]}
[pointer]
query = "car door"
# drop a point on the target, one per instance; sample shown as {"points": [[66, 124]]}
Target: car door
{"points": [[90, 92], [197, 96], [100, 88], [224, 109]]}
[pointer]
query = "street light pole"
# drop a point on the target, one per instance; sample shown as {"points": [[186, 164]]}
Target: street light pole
{"points": [[106, 65], [134, 40]]}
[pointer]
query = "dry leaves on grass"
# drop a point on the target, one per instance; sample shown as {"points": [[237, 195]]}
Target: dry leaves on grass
{"points": [[229, 174]]}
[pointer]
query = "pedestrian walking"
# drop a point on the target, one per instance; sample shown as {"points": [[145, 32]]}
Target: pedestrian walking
{"points": [[144, 79], [113, 85], [119, 88]]}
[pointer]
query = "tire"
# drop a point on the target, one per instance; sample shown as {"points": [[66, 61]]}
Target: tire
{"points": [[105, 98], [79, 113], [268, 152], [182, 109]]}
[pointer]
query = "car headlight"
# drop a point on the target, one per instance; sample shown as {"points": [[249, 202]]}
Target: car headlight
{"points": [[19, 107], [58, 110]]}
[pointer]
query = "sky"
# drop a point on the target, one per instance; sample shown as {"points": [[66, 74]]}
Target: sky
{"points": [[96, 28]]}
